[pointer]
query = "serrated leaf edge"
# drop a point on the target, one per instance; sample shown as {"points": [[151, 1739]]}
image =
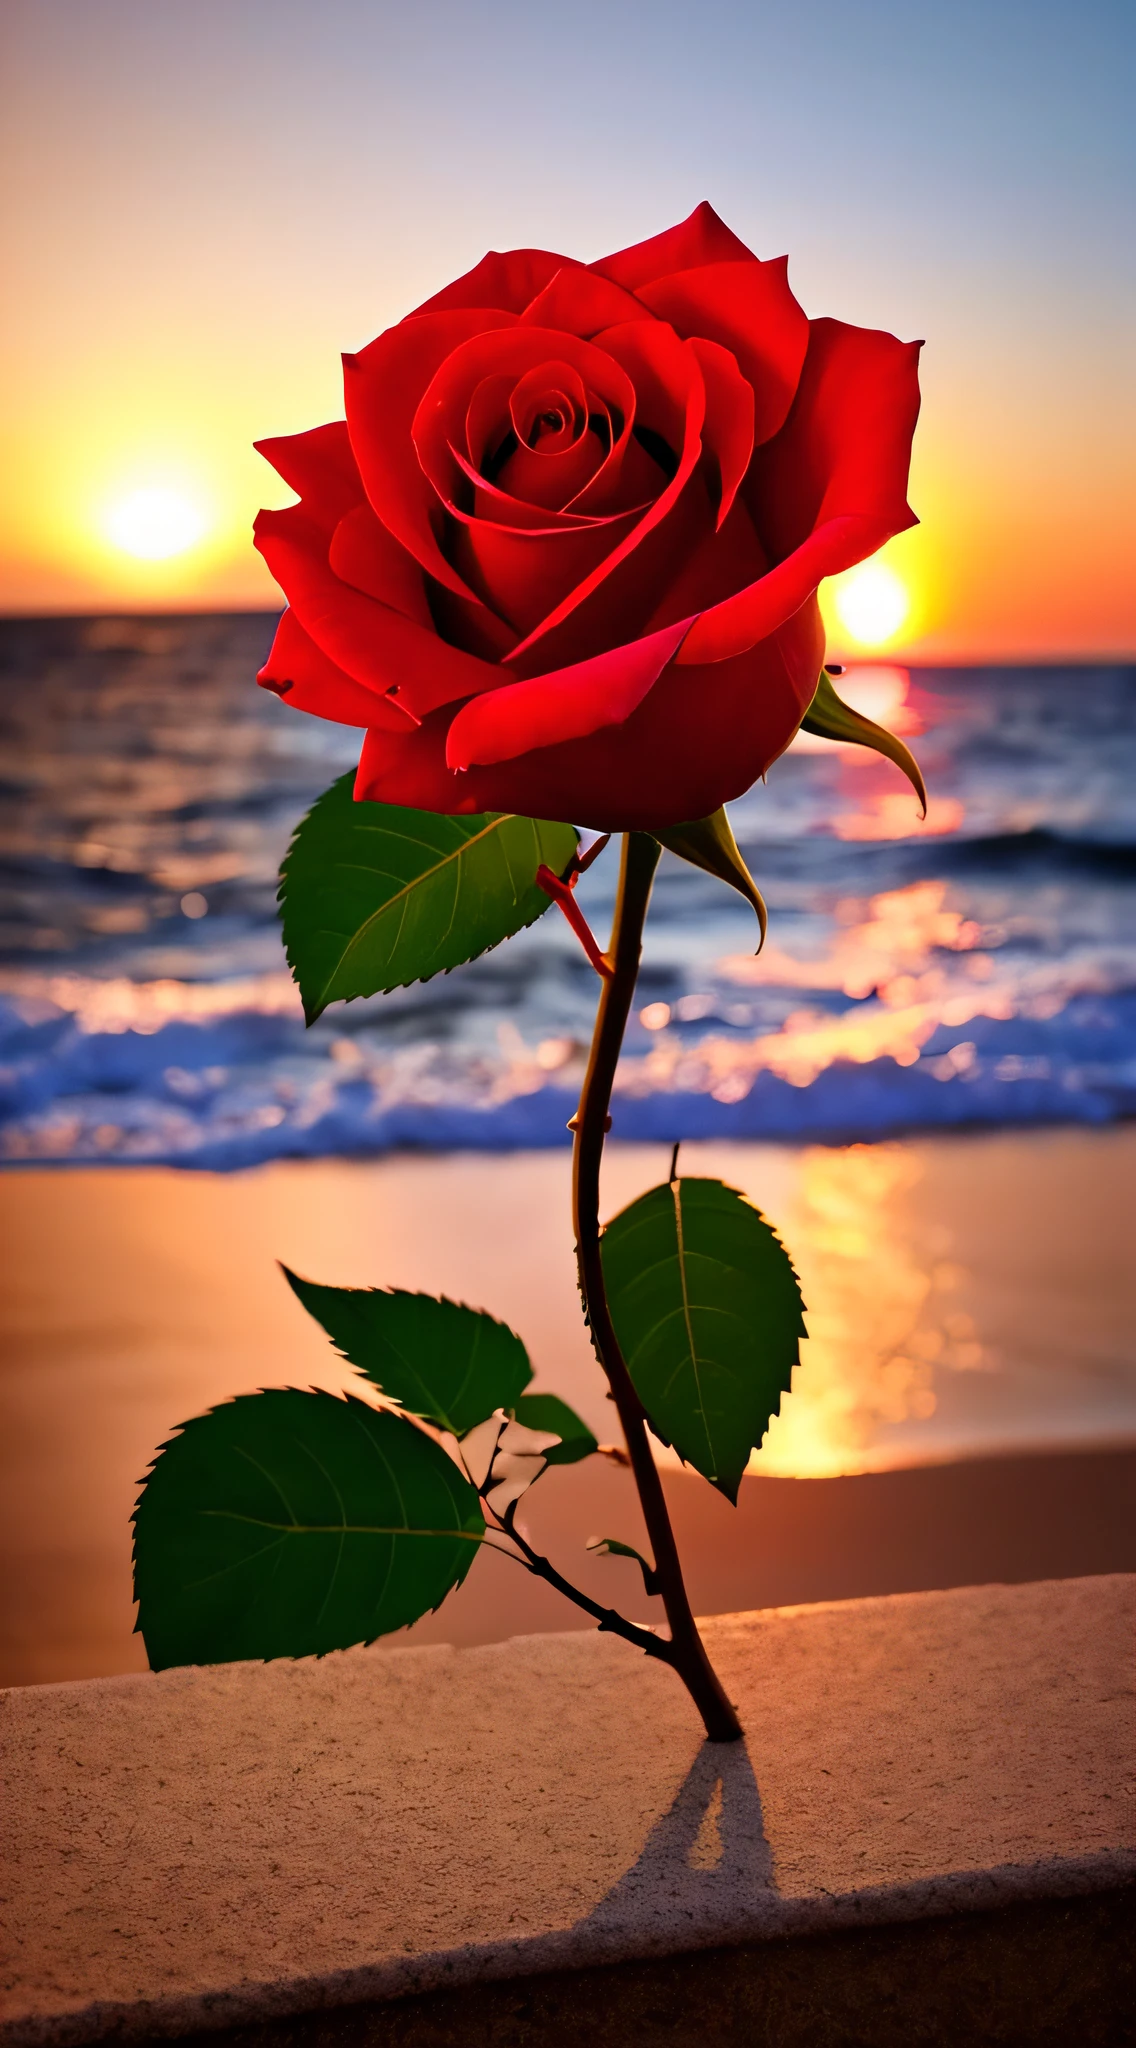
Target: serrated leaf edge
{"points": [[348, 1400], [391, 1401], [497, 819], [314, 1007], [802, 1331]]}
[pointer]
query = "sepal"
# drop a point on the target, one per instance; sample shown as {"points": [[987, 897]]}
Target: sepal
{"points": [[709, 844], [831, 719]]}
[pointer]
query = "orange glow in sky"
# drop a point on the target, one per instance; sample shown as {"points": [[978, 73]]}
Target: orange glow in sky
{"points": [[203, 218]]}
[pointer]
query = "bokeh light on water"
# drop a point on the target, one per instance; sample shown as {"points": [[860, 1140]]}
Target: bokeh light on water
{"points": [[978, 968]]}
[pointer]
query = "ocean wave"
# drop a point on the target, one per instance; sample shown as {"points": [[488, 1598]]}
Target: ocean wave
{"points": [[978, 968], [226, 1085]]}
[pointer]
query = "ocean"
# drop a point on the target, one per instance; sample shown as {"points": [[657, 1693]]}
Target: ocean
{"points": [[975, 970]]}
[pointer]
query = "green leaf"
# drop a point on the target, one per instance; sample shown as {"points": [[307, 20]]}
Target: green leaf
{"points": [[610, 1546], [709, 1315], [831, 719], [450, 1364], [374, 897], [548, 1411], [709, 844], [287, 1524]]}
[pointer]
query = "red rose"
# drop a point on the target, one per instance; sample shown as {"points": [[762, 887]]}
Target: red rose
{"points": [[562, 556]]}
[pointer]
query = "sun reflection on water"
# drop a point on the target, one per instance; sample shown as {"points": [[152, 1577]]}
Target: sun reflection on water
{"points": [[908, 961], [882, 1317]]}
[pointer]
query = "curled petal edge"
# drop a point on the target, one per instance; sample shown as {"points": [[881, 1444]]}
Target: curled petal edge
{"points": [[632, 342], [739, 622], [565, 704], [380, 647], [307, 679], [701, 238], [319, 466]]}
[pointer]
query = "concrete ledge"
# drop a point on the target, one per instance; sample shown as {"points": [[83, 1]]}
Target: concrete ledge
{"points": [[216, 1847], [1039, 1975]]}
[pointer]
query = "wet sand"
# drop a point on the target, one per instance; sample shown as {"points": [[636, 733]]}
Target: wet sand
{"points": [[965, 1411]]}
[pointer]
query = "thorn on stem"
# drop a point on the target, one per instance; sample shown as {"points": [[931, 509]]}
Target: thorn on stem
{"points": [[673, 1174], [574, 1123], [615, 1452]]}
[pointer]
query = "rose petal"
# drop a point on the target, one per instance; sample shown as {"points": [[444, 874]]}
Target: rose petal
{"points": [[666, 376], [565, 705], [508, 279], [549, 384], [624, 479], [629, 479], [472, 626], [503, 509], [621, 605], [741, 621], [305, 677], [847, 447], [524, 573], [377, 646], [727, 430], [748, 309], [671, 399], [320, 467], [698, 739], [580, 301], [831, 488], [701, 238], [550, 468], [724, 561], [441, 415], [365, 555], [487, 422], [382, 387], [553, 480], [493, 503], [416, 775]]}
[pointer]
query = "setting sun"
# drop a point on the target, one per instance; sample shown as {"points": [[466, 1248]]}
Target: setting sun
{"points": [[154, 524], [872, 604]]}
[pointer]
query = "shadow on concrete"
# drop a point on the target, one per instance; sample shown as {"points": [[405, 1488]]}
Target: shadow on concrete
{"points": [[704, 1866]]}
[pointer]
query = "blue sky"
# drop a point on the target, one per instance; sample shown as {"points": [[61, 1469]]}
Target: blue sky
{"points": [[238, 189]]}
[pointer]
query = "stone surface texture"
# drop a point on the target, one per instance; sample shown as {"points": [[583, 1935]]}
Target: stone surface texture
{"points": [[210, 1846]]}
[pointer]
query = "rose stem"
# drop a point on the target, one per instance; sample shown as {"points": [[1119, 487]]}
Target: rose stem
{"points": [[640, 858], [616, 1624]]}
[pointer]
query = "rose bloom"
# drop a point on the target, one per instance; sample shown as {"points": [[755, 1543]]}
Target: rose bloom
{"points": [[561, 558]]}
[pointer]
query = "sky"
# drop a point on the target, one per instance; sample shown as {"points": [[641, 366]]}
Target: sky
{"points": [[206, 204]]}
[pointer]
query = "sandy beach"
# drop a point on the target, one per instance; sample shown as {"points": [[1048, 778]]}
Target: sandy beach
{"points": [[966, 1408]]}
